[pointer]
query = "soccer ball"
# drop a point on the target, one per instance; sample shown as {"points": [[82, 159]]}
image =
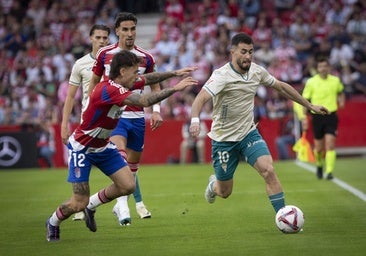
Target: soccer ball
{"points": [[289, 219]]}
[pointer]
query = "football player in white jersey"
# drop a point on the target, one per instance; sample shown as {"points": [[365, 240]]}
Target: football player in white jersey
{"points": [[234, 134], [80, 76]]}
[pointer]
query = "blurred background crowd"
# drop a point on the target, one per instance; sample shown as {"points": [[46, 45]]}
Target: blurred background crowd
{"points": [[41, 39]]}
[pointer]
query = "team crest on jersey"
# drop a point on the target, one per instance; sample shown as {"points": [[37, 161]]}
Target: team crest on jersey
{"points": [[77, 172], [224, 167]]}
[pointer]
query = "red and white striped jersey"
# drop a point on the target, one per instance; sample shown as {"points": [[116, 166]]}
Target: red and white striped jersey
{"points": [[103, 110], [102, 68]]}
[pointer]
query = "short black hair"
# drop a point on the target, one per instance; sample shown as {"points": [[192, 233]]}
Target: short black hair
{"points": [[241, 38], [322, 58], [122, 59], [99, 27], [123, 16]]}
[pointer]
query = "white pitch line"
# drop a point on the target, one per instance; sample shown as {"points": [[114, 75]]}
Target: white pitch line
{"points": [[339, 182]]}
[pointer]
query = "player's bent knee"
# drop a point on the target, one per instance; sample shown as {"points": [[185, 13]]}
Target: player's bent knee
{"points": [[130, 189], [126, 188]]}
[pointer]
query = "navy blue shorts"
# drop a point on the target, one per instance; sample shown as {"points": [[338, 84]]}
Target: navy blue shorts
{"points": [[80, 163], [133, 129]]}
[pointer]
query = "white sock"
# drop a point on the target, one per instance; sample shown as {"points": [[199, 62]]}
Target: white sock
{"points": [[138, 204], [54, 221], [122, 202], [94, 202]]}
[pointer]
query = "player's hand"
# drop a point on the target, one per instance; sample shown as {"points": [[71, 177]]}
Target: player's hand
{"points": [[320, 110], [188, 81], [194, 129], [185, 71], [64, 135], [156, 120]]}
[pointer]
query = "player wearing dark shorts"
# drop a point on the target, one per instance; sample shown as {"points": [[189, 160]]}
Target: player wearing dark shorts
{"points": [[327, 90]]}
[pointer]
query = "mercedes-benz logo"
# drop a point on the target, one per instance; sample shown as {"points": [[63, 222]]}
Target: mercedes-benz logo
{"points": [[10, 151]]}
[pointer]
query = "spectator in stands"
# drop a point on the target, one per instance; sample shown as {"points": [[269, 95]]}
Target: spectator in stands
{"points": [[37, 11], [299, 26], [251, 9], [264, 55], [356, 27], [284, 51], [292, 73], [319, 29], [275, 68], [46, 142], [338, 33], [47, 88], [336, 14], [360, 83], [185, 54], [244, 24], [166, 47], [260, 110], [175, 9], [204, 30], [283, 6], [195, 146], [14, 40], [309, 68], [303, 46], [278, 31], [340, 54], [208, 8], [204, 67], [262, 33], [277, 106], [226, 18], [62, 63], [348, 78], [286, 138]]}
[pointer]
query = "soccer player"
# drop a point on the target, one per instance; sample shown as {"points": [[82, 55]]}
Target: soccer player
{"points": [[326, 89], [130, 131], [89, 144], [80, 77], [234, 134]]}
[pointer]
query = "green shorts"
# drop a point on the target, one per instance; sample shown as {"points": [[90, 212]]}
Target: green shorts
{"points": [[226, 155]]}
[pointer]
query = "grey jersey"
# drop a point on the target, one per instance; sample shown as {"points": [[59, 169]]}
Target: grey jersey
{"points": [[233, 100]]}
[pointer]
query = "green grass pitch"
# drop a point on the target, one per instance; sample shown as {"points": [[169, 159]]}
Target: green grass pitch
{"points": [[182, 222]]}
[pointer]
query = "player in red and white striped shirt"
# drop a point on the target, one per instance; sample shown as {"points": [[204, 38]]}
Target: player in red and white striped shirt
{"points": [[90, 145], [129, 134]]}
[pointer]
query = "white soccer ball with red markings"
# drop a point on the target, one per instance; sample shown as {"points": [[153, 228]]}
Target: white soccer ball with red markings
{"points": [[290, 219]]}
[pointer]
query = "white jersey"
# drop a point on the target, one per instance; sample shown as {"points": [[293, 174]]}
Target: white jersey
{"points": [[81, 75], [233, 100]]}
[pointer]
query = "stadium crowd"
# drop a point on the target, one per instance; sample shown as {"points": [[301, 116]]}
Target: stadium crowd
{"points": [[40, 43]]}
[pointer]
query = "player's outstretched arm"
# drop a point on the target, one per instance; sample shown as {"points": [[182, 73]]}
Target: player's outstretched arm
{"points": [[146, 100], [157, 77], [289, 92]]}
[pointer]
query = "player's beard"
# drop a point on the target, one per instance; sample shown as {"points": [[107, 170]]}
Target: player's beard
{"points": [[129, 42], [242, 67]]}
